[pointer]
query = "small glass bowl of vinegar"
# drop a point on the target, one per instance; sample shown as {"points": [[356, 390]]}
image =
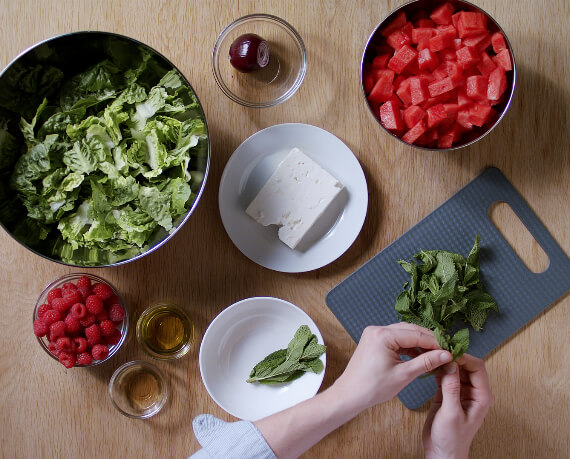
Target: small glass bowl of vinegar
{"points": [[165, 332]]}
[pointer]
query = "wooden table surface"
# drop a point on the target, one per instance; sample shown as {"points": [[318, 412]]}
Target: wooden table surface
{"points": [[48, 411]]}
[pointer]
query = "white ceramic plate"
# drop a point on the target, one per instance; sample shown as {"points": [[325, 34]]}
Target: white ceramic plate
{"points": [[242, 335], [253, 162]]}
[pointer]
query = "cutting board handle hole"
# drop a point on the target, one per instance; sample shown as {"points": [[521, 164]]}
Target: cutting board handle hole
{"points": [[519, 238]]}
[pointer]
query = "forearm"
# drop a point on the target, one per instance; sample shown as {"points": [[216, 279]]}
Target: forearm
{"points": [[293, 431]]}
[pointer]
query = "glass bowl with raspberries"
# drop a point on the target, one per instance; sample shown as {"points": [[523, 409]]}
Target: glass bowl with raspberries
{"points": [[438, 75], [80, 320]]}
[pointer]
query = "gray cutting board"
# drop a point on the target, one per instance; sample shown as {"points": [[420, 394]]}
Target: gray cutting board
{"points": [[367, 296]]}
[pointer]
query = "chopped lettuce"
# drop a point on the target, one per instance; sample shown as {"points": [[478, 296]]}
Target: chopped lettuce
{"points": [[108, 162]]}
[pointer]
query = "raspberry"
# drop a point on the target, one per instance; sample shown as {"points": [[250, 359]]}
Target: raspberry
{"points": [[103, 291], [93, 334], [40, 328], [71, 297], [53, 349], [83, 281], [100, 352], [94, 304], [64, 344], [51, 316], [113, 338], [113, 299], [103, 315], [68, 286], [60, 304], [88, 320], [116, 313], [84, 292], [72, 325], [84, 359], [79, 310], [53, 294], [43, 309], [107, 327], [67, 359], [56, 330], [79, 344]]}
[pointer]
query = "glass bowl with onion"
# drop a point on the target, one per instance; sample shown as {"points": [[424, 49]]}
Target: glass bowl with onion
{"points": [[259, 61]]}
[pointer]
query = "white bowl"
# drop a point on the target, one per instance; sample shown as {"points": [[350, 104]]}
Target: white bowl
{"points": [[242, 335]]}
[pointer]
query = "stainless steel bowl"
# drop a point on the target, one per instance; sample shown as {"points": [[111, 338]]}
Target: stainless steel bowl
{"points": [[20, 95], [412, 8]]}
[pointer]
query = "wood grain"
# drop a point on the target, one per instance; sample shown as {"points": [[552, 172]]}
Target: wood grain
{"points": [[50, 412]]}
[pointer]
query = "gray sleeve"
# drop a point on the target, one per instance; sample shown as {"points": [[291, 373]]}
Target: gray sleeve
{"points": [[228, 440]]}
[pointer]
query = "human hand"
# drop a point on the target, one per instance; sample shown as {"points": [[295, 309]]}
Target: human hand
{"points": [[458, 408], [376, 373]]}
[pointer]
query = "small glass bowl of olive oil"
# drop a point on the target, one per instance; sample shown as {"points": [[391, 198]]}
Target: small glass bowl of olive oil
{"points": [[165, 331], [138, 389]]}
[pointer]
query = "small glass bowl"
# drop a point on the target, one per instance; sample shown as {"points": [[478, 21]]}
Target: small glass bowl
{"points": [[276, 82], [138, 389], [165, 332], [58, 283]]}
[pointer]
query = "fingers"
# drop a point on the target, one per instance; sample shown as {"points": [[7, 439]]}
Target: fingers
{"points": [[408, 336], [426, 362], [473, 370], [451, 389]]}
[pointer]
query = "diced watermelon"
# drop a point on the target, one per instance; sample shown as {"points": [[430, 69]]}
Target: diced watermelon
{"points": [[413, 115], [448, 31], [468, 55], [427, 59], [463, 118], [447, 54], [440, 72], [457, 43], [476, 40], [439, 42], [418, 90], [397, 39], [484, 44], [380, 61], [398, 22], [425, 23], [404, 93], [390, 116], [497, 84], [422, 34], [486, 64], [478, 114], [455, 18], [383, 88], [442, 14], [435, 115], [471, 23], [412, 135], [451, 110], [462, 98], [503, 59], [442, 86], [398, 81], [430, 137], [402, 59], [453, 68], [445, 141], [498, 42], [476, 87]]}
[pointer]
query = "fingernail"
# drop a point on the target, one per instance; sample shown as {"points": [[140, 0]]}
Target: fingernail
{"points": [[445, 357], [450, 369]]}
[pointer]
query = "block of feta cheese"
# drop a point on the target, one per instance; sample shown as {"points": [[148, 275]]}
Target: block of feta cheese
{"points": [[295, 197]]}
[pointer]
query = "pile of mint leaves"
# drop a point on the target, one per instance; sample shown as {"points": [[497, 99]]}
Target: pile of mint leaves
{"points": [[285, 365], [445, 290], [110, 158]]}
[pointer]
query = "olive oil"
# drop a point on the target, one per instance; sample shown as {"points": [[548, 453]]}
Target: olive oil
{"points": [[165, 331]]}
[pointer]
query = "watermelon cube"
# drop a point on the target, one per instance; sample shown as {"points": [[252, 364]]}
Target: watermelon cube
{"points": [[442, 14], [439, 42], [422, 34], [497, 84], [424, 22], [442, 86], [435, 115], [486, 64], [503, 59], [397, 39], [468, 55], [457, 43], [418, 90], [413, 115], [427, 59], [471, 23], [498, 42], [479, 114], [462, 98], [476, 87], [404, 93], [451, 110], [447, 54], [448, 30], [463, 118], [477, 40], [445, 141], [415, 132], [380, 61], [453, 68], [398, 22], [402, 59], [440, 72], [383, 89], [455, 18], [390, 116]]}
